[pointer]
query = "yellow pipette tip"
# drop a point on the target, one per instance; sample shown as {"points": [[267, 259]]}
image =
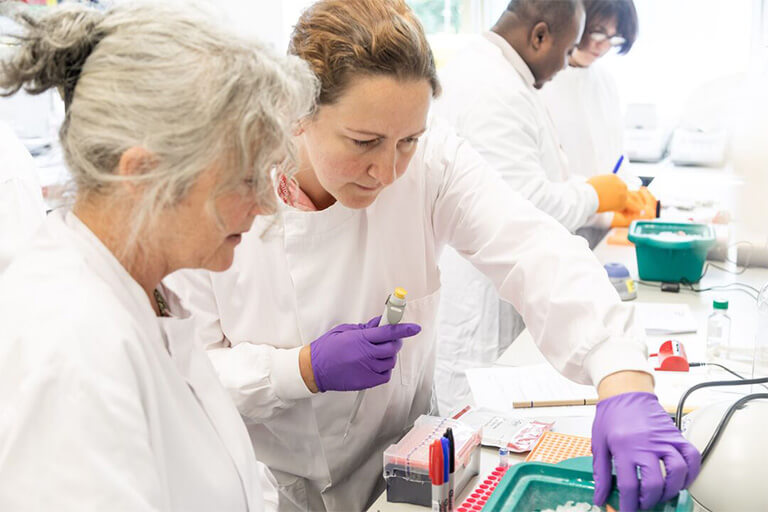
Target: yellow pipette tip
{"points": [[400, 293]]}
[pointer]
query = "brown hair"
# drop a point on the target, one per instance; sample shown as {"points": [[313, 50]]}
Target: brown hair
{"points": [[625, 14], [344, 38]]}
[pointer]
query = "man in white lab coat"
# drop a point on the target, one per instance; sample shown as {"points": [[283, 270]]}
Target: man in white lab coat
{"points": [[21, 201], [503, 117], [490, 96]]}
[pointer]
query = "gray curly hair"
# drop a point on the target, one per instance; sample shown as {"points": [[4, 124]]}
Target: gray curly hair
{"points": [[165, 79]]}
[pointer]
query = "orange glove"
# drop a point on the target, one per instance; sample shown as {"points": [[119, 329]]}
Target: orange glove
{"points": [[625, 218], [611, 192], [641, 205], [635, 201], [650, 201]]}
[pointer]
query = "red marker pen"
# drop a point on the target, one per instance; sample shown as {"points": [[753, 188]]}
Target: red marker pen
{"points": [[436, 473]]}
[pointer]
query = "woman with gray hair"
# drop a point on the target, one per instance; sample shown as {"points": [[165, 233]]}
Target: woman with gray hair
{"points": [[172, 127]]}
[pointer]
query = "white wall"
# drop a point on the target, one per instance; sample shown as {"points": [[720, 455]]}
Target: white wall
{"points": [[683, 45], [269, 20]]}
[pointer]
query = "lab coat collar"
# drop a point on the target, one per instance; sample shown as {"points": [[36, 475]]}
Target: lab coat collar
{"points": [[178, 334], [102, 255], [512, 57], [302, 222]]}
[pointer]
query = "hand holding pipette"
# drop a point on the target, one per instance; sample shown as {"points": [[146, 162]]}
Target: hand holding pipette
{"points": [[394, 308], [351, 357]]}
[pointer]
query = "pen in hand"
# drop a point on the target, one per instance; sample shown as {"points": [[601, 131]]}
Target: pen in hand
{"points": [[618, 164]]}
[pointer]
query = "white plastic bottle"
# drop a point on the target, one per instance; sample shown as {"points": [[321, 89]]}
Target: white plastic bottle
{"points": [[718, 330]]}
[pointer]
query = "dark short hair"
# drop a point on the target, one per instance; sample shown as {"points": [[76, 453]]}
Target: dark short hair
{"points": [[624, 12], [555, 13]]}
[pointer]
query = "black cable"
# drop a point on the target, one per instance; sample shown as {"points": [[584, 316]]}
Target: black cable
{"points": [[694, 365], [717, 286], [723, 269], [723, 287], [731, 287], [726, 287], [724, 422], [739, 376], [734, 272], [747, 261], [728, 260], [717, 383]]}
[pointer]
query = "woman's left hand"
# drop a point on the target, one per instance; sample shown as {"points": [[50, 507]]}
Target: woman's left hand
{"points": [[635, 431]]}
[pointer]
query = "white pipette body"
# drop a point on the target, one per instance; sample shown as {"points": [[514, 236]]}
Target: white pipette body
{"points": [[394, 308]]}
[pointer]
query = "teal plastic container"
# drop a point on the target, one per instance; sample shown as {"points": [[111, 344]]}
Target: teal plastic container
{"points": [[533, 486], [671, 251]]}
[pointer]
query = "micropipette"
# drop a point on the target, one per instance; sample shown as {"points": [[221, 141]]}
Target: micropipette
{"points": [[394, 308]]}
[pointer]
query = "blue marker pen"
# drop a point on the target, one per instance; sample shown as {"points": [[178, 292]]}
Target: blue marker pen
{"points": [[618, 164], [452, 482], [446, 444]]}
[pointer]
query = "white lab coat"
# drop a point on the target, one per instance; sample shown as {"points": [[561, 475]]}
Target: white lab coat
{"points": [[585, 107], [297, 276], [489, 98], [21, 201], [105, 406]]}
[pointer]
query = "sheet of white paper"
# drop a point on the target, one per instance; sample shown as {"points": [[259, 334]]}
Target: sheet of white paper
{"points": [[497, 428], [665, 318], [497, 388]]}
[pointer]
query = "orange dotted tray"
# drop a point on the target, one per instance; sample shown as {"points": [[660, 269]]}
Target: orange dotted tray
{"points": [[554, 447]]}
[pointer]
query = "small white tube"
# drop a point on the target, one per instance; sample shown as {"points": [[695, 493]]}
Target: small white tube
{"points": [[394, 308]]}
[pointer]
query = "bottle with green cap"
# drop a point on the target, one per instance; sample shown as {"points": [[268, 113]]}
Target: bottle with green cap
{"points": [[718, 330]]}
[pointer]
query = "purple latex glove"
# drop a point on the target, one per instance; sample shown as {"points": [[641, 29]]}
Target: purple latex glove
{"points": [[635, 431], [351, 357]]}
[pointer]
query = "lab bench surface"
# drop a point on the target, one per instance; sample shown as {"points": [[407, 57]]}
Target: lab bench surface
{"points": [[523, 351], [489, 459], [670, 180]]}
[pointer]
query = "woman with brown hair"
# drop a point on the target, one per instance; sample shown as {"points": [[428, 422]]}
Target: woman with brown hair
{"points": [[379, 191]]}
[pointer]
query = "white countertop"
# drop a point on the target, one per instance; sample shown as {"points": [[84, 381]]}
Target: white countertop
{"points": [[671, 182]]}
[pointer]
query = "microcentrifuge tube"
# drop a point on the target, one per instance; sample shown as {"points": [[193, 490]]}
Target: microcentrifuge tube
{"points": [[504, 457]]}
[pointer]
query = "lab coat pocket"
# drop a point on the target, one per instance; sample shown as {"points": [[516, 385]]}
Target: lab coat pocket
{"points": [[292, 492], [415, 358]]}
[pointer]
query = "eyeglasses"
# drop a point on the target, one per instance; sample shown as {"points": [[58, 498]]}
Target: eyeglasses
{"points": [[614, 40]]}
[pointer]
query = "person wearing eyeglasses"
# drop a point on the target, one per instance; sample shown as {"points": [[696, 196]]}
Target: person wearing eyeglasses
{"points": [[583, 99], [492, 98]]}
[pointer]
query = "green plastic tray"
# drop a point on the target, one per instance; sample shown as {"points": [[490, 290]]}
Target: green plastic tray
{"points": [[532, 486], [671, 258]]}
